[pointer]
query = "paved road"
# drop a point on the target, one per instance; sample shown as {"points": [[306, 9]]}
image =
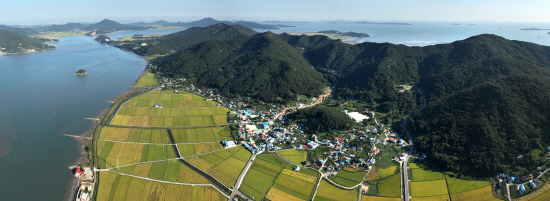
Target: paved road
{"points": [[407, 197], [241, 177]]}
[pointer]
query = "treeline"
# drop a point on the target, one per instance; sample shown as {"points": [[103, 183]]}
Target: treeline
{"points": [[323, 119]]}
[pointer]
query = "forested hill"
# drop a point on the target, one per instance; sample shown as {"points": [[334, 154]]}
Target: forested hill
{"points": [[65, 27], [16, 43], [21, 31], [192, 36], [262, 67], [209, 21], [110, 26]]}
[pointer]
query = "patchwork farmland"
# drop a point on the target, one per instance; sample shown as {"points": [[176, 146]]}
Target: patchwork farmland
{"points": [[172, 110], [137, 157]]}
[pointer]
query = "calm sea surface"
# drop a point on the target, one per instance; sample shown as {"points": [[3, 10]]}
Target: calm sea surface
{"points": [[41, 99]]}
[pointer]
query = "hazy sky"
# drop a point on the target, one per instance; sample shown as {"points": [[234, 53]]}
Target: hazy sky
{"points": [[62, 11]]}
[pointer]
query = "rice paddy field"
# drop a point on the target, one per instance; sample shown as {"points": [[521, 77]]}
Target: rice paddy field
{"points": [[172, 171], [349, 179], [117, 187], [376, 198], [128, 153], [298, 185], [427, 184], [137, 135], [178, 110], [328, 191], [261, 175], [469, 190], [390, 187], [196, 149], [147, 80], [386, 172], [225, 165], [295, 156], [195, 135]]}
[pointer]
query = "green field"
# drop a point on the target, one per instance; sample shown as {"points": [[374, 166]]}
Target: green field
{"points": [[147, 80], [383, 173], [295, 183], [376, 198], [261, 175], [459, 185], [194, 135], [484, 193], [178, 110], [134, 135], [224, 165], [330, 192], [428, 188], [117, 187], [390, 187], [295, 156], [419, 174], [128, 153], [172, 170], [349, 179]]}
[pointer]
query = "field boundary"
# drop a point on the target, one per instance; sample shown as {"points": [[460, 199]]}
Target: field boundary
{"points": [[169, 182], [448, 190], [165, 127], [157, 143], [111, 117]]}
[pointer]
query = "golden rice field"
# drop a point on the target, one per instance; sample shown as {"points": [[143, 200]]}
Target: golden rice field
{"points": [[117, 187], [275, 194], [485, 193], [329, 191]]}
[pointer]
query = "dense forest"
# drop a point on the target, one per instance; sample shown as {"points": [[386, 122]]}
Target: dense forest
{"points": [[322, 119], [16, 43], [21, 31], [191, 36], [262, 67]]}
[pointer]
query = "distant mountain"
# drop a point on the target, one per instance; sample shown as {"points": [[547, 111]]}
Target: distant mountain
{"points": [[276, 22], [160, 23], [111, 26], [192, 36], [65, 27], [17, 43], [22, 31], [365, 22], [262, 67], [209, 21]]}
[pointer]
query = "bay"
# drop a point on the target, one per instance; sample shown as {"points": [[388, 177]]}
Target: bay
{"points": [[41, 99]]}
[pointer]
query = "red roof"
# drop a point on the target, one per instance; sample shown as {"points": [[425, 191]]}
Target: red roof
{"points": [[79, 170]]}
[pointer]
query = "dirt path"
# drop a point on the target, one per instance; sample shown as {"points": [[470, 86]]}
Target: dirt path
{"points": [[319, 100]]}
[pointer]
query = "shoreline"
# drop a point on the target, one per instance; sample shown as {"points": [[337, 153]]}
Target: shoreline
{"points": [[86, 138]]}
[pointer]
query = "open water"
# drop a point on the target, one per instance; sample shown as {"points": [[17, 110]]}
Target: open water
{"points": [[41, 99]]}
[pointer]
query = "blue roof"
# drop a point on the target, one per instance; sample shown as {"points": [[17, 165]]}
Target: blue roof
{"points": [[265, 124]]}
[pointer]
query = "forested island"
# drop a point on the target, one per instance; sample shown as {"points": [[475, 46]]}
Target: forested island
{"points": [[351, 33]]}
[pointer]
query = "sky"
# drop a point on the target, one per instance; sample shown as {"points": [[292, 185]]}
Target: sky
{"points": [[63, 11]]}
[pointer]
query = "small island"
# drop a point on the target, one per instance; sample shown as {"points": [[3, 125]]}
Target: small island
{"points": [[548, 32], [351, 33], [81, 72]]}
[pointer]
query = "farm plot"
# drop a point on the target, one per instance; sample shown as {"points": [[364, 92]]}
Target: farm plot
{"points": [[419, 174], [167, 92], [147, 80], [376, 198], [195, 149], [295, 156], [428, 188], [224, 165], [349, 179], [194, 135], [386, 172], [118, 187], [459, 185], [484, 193], [134, 135], [261, 175], [328, 191], [172, 170], [390, 187], [113, 153], [297, 184]]}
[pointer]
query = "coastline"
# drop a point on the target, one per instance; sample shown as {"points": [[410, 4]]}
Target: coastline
{"points": [[85, 139], [34, 51]]}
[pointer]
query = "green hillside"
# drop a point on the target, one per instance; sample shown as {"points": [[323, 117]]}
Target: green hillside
{"points": [[192, 36], [16, 43], [110, 26], [21, 31], [264, 67]]}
